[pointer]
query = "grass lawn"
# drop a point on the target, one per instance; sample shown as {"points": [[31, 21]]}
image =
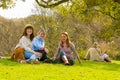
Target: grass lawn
{"points": [[10, 70]]}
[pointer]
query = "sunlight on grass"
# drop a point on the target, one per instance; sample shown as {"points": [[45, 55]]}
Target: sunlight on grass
{"points": [[10, 70]]}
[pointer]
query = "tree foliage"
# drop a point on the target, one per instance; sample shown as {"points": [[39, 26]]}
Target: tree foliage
{"points": [[86, 21], [6, 3], [52, 3]]}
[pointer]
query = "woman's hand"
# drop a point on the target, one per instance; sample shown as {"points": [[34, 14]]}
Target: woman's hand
{"points": [[38, 54], [54, 58], [80, 62], [46, 50]]}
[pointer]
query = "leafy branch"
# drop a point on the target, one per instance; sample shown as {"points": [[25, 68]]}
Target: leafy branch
{"points": [[50, 3]]}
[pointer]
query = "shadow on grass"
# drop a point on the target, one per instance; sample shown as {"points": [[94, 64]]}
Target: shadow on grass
{"points": [[101, 65]]}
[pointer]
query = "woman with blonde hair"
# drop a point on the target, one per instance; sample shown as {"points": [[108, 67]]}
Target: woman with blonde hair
{"points": [[38, 45], [66, 51], [94, 54]]}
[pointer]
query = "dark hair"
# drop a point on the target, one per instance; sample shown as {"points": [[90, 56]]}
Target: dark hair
{"points": [[67, 41], [28, 26]]}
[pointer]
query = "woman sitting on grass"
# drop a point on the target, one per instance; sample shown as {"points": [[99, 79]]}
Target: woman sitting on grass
{"points": [[23, 50], [94, 54], [66, 51], [38, 45]]}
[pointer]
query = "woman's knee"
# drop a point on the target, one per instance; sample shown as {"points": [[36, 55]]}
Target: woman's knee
{"points": [[104, 56], [33, 57], [62, 53], [27, 54]]}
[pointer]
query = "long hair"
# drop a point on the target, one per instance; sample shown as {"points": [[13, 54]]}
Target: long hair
{"points": [[67, 40], [28, 26]]}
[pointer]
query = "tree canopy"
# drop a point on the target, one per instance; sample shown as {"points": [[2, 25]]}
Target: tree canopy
{"points": [[86, 21], [49, 3]]}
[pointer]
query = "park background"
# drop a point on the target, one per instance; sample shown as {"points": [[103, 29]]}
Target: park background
{"points": [[86, 21]]}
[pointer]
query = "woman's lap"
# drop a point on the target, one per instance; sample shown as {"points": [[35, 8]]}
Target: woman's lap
{"points": [[29, 55]]}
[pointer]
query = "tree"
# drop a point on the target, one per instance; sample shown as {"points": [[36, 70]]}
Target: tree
{"points": [[6, 4], [43, 3], [49, 3]]}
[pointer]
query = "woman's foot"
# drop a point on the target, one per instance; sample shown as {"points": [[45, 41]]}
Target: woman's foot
{"points": [[67, 63], [21, 61], [107, 60], [34, 62]]}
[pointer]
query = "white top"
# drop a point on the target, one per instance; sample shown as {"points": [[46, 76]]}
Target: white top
{"points": [[94, 54], [25, 43]]}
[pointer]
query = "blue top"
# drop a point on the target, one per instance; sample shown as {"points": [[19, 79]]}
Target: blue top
{"points": [[38, 43]]}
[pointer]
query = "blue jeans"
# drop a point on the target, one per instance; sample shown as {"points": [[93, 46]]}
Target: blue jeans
{"points": [[70, 59], [29, 56]]}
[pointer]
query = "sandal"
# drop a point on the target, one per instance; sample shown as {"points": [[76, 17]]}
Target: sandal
{"points": [[67, 64], [34, 62], [21, 61]]}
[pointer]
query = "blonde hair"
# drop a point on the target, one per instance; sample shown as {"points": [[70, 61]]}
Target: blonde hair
{"points": [[41, 30], [67, 41], [95, 44]]}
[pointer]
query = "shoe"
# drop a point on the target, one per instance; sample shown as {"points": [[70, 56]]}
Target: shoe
{"points": [[48, 60], [71, 62], [67, 64], [34, 62], [84, 59], [107, 60], [23, 61]]}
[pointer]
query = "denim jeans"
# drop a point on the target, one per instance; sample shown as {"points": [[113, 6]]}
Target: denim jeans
{"points": [[30, 56], [70, 59]]}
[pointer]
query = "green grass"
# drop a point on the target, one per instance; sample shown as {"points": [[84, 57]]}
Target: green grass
{"points": [[10, 70]]}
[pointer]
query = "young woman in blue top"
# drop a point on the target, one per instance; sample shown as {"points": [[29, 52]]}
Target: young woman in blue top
{"points": [[38, 45]]}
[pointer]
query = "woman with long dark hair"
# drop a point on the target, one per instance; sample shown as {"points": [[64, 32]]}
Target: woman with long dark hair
{"points": [[25, 45]]}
